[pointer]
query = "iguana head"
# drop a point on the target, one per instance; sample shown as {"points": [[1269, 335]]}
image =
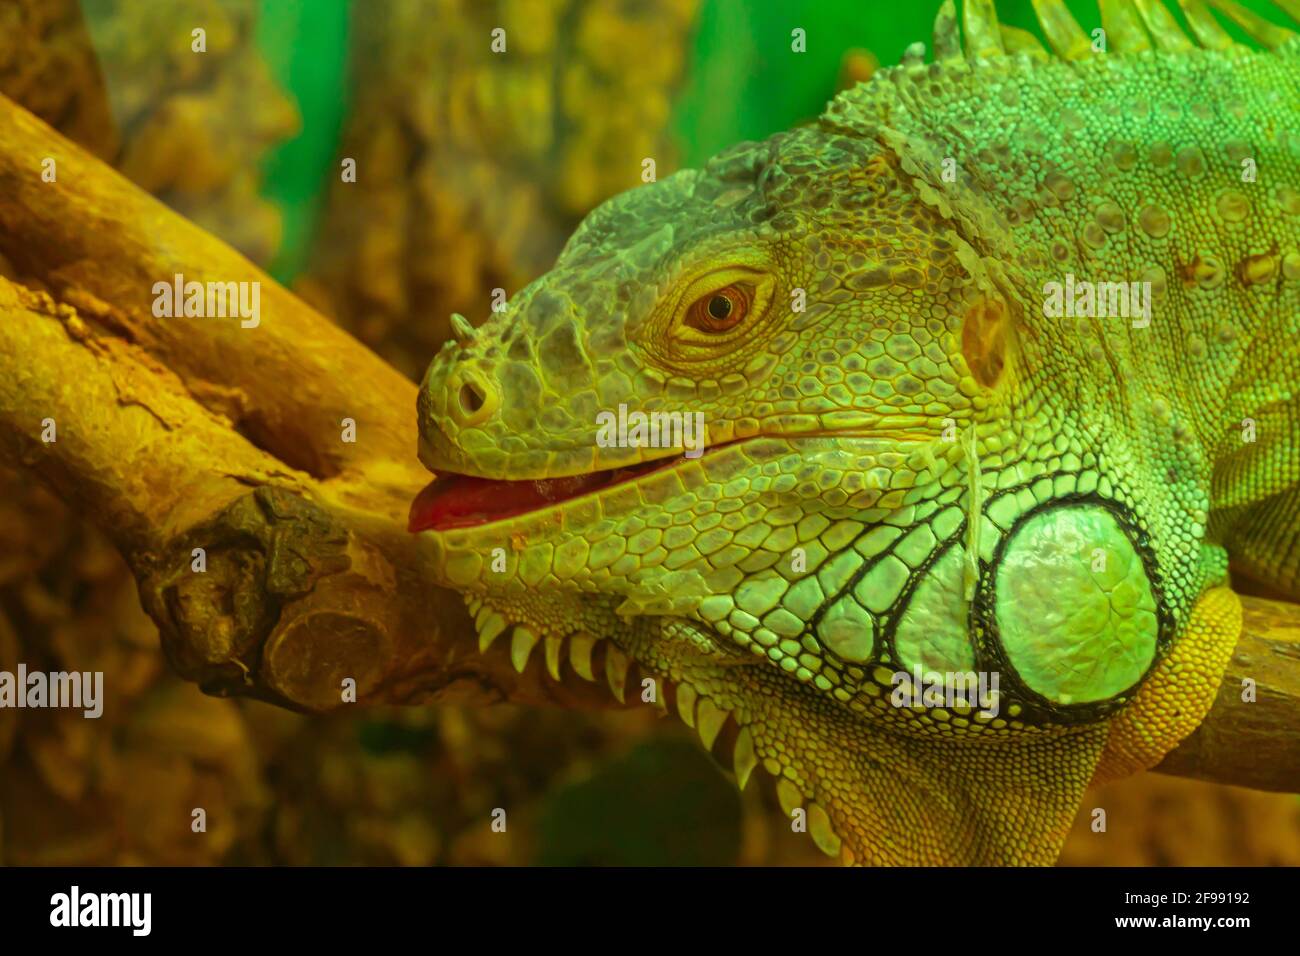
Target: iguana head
{"points": [[898, 473], [801, 304]]}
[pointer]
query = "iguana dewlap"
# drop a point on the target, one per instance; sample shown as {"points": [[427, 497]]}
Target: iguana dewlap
{"points": [[917, 461]]}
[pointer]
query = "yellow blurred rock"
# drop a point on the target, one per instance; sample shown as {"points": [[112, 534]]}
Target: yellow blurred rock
{"points": [[1157, 820], [477, 164], [124, 82]]}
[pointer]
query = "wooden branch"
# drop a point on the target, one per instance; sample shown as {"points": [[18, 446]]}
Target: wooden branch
{"points": [[183, 433], [98, 243], [301, 589], [177, 434], [1255, 744]]}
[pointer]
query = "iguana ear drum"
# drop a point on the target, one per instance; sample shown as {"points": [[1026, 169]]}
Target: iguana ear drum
{"points": [[984, 339], [1072, 608]]}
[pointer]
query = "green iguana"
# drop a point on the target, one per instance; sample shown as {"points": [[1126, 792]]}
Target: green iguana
{"points": [[920, 462]]}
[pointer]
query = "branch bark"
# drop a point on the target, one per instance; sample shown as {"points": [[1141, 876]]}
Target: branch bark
{"points": [[183, 433], [179, 434], [1257, 743]]}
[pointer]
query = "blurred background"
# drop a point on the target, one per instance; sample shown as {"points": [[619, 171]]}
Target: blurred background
{"points": [[472, 169]]}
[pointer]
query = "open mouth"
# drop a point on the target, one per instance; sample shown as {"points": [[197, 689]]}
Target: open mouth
{"points": [[462, 501]]}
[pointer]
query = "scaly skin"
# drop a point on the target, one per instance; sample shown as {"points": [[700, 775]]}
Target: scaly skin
{"points": [[919, 468]]}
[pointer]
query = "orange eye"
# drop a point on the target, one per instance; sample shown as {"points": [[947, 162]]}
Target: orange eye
{"points": [[721, 310]]}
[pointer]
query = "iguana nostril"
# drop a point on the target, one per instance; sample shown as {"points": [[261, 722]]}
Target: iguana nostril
{"points": [[472, 398]]}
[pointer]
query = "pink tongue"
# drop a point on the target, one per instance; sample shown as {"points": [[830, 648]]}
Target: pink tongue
{"points": [[460, 500]]}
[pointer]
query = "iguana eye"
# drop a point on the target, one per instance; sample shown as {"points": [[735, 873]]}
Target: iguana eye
{"points": [[721, 310]]}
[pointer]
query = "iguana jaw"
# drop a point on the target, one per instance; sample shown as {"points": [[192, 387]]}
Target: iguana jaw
{"points": [[455, 500]]}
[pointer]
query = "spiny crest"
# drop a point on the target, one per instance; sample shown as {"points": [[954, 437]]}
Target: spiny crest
{"points": [[1130, 26], [979, 60], [981, 47]]}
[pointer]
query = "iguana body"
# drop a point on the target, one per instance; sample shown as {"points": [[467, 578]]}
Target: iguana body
{"points": [[919, 468]]}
